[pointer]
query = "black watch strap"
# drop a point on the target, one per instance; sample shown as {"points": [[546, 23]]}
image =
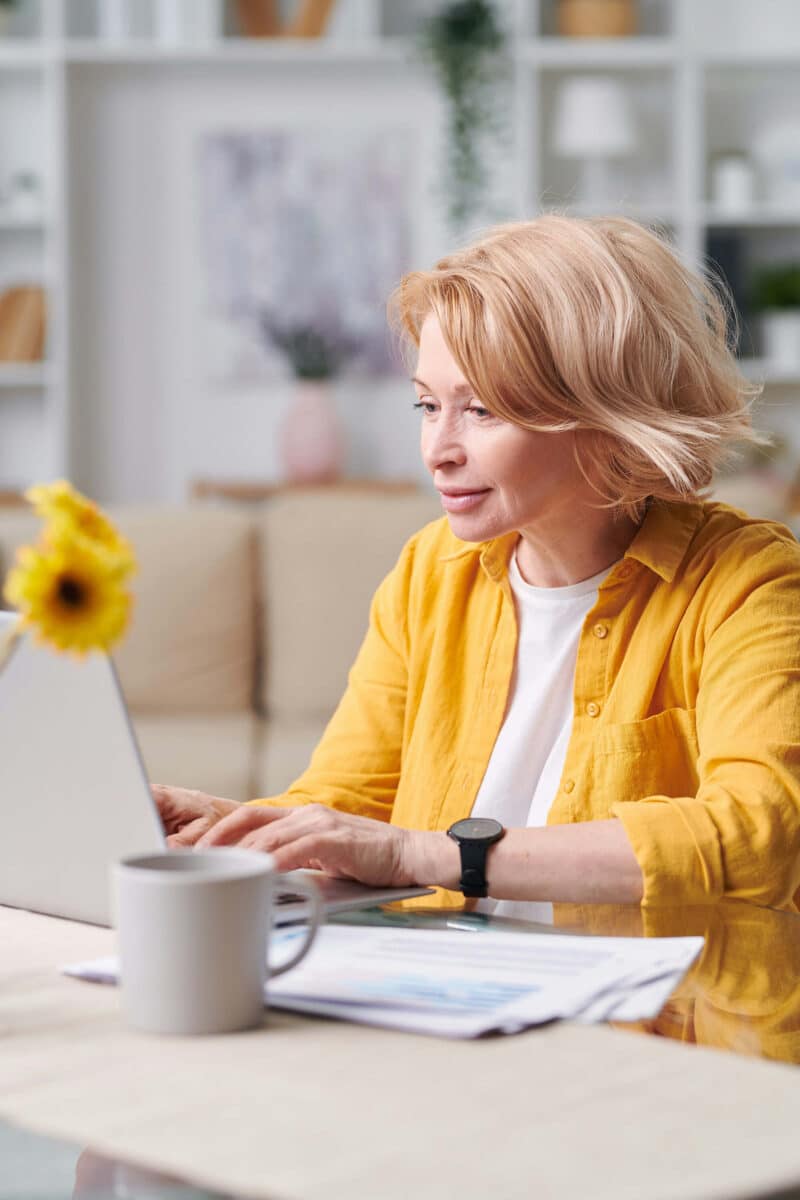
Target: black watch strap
{"points": [[475, 837], [473, 868]]}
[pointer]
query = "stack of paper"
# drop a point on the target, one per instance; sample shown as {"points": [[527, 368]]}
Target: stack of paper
{"points": [[463, 984]]}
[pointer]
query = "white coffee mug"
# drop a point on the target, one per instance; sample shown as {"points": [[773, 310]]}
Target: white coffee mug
{"points": [[193, 929]]}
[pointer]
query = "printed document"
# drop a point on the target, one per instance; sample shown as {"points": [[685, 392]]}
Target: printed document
{"points": [[464, 984]]}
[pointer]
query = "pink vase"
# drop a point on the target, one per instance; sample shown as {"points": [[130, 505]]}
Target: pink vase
{"points": [[312, 445]]}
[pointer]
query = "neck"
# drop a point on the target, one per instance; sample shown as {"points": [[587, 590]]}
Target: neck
{"points": [[578, 546]]}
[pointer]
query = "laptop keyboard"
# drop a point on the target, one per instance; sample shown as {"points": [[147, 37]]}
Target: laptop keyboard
{"points": [[290, 897]]}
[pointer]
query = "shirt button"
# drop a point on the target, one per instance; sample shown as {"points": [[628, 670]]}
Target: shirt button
{"points": [[601, 631], [569, 785], [625, 571], [593, 709]]}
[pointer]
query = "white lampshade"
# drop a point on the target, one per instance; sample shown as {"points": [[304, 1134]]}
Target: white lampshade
{"points": [[593, 118]]}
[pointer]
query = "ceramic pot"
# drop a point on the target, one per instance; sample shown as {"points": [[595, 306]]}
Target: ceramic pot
{"points": [[596, 18], [312, 445]]}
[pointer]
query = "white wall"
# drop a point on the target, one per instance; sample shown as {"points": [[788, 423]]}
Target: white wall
{"points": [[147, 418]]}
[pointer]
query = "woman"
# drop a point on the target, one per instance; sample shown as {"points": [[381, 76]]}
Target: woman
{"points": [[584, 654]]}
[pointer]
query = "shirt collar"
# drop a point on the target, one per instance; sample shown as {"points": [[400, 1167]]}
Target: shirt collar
{"points": [[664, 536], [494, 555], [660, 543]]}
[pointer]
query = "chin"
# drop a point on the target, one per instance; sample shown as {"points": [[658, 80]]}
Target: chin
{"points": [[469, 528]]}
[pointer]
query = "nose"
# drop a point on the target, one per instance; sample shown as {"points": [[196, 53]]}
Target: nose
{"points": [[441, 445]]}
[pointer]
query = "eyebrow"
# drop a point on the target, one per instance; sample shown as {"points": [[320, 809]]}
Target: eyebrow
{"points": [[461, 389]]}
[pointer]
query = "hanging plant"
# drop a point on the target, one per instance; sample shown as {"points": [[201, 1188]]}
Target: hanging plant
{"points": [[465, 42]]}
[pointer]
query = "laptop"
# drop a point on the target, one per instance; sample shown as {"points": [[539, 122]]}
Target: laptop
{"points": [[75, 793]]}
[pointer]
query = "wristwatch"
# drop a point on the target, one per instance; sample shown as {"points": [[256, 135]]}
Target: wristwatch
{"points": [[474, 836]]}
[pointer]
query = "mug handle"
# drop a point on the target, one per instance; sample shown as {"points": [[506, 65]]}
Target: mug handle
{"points": [[306, 888]]}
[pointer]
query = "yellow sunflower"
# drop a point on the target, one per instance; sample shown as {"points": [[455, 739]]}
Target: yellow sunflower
{"points": [[69, 591], [67, 510]]}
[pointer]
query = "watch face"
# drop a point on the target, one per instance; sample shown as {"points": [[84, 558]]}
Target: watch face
{"points": [[476, 827]]}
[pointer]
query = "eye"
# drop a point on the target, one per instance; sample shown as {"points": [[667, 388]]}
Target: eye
{"points": [[426, 406], [479, 412]]}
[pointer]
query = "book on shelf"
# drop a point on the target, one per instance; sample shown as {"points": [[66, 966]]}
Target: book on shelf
{"points": [[23, 321]]}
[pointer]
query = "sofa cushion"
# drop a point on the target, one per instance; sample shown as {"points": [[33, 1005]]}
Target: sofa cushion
{"points": [[284, 746], [191, 645], [323, 556], [18, 527], [213, 752]]}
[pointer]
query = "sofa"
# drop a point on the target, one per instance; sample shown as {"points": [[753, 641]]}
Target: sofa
{"points": [[246, 621]]}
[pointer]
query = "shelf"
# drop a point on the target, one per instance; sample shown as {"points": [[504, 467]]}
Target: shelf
{"points": [[756, 218], [649, 214], [87, 102], [753, 56], [22, 225], [24, 57], [24, 375], [556, 53], [241, 50]]}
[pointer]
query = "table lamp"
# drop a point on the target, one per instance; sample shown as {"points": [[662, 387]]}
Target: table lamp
{"points": [[593, 122]]}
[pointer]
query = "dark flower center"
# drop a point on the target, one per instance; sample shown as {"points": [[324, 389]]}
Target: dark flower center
{"points": [[71, 592]]}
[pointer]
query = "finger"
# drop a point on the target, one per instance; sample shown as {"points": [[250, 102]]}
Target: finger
{"points": [[190, 834], [308, 851], [229, 830], [295, 853]]}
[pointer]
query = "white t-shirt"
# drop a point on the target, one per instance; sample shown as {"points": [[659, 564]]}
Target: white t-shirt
{"points": [[525, 768]]}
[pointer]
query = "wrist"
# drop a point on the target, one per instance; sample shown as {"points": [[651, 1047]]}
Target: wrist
{"points": [[433, 859]]}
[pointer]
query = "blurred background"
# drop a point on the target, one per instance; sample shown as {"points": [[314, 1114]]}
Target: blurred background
{"points": [[205, 203]]}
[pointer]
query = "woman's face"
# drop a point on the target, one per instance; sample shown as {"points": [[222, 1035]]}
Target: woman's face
{"points": [[493, 476]]}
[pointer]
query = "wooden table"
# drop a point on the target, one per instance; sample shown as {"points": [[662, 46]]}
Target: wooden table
{"points": [[312, 1108]]}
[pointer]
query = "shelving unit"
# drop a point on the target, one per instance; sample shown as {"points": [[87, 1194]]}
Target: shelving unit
{"points": [[55, 69]]}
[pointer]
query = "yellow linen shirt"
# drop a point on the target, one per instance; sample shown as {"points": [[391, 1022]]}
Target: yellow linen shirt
{"points": [[686, 700]]}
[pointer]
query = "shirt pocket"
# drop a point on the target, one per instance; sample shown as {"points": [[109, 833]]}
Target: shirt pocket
{"points": [[656, 756]]}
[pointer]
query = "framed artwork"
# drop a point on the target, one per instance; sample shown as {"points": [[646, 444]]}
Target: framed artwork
{"points": [[302, 229]]}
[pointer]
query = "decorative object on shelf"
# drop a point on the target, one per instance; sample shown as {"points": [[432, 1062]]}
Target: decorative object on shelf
{"points": [[114, 20], [776, 149], [262, 18], [22, 198], [732, 183], [71, 587], [310, 226], [23, 322], [594, 123], [6, 13], [186, 22], [312, 444], [597, 18], [776, 293], [465, 43]]}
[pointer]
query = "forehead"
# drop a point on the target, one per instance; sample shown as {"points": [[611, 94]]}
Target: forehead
{"points": [[434, 354]]}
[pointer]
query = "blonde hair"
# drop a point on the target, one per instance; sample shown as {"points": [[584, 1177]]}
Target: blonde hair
{"points": [[563, 323]]}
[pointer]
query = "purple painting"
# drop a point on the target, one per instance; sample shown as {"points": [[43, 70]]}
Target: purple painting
{"points": [[303, 229]]}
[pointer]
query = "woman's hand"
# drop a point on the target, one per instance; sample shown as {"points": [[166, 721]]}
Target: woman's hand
{"points": [[338, 843], [186, 815]]}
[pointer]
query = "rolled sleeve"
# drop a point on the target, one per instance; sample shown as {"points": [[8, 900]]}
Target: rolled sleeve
{"points": [[677, 848], [739, 835]]}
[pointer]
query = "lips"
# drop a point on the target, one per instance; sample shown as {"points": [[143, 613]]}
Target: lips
{"points": [[460, 500]]}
